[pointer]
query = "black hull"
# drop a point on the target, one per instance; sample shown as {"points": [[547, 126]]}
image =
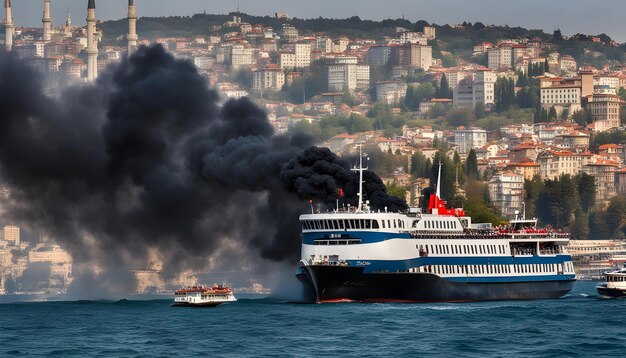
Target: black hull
{"points": [[337, 284], [611, 292]]}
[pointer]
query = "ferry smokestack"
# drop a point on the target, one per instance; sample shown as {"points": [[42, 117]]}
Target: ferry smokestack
{"points": [[92, 46], [132, 27], [47, 21], [8, 26]]}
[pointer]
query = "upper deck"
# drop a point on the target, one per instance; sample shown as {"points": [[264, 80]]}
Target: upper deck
{"points": [[418, 225]]}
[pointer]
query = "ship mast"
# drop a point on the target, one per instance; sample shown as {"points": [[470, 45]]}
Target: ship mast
{"points": [[360, 169], [439, 181]]}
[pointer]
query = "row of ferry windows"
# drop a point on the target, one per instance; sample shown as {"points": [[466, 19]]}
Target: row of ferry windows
{"points": [[463, 249], [351, 224], [494, 269], [616, 278], [435, 224]]}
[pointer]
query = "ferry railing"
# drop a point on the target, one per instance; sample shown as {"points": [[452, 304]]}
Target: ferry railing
{"points": [[488, 234]]}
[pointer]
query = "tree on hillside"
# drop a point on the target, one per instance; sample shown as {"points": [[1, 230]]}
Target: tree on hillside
{"points": [[552, 114], [557, 36], [479, 110], [586, 185], [444, 90], [558, 201], [504, 94], [415, 94], [419, 167], [532, 188], [471, 165], [458, 169], [616, 217]]}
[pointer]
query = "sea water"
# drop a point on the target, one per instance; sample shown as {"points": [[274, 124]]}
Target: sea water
{"points": [[580, 324]]}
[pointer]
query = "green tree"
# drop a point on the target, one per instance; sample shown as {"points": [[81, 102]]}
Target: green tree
{"points": [[580, 227], [479, 110], [471, 165], [532, 188], [552, 114], [616, 216], [586, 185], [437, 111], [397, 191], [459, 116], [504, 94], [444, 90], [458, 168], [419, 166], [558, 201]]}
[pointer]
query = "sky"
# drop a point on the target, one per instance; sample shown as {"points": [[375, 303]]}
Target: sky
{"points": [[571, 16]]}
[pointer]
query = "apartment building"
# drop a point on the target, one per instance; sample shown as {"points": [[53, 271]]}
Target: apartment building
{"points": [[506, 193], [390, 92], [553, 164], [565, 94], [413, 55], [348, 77], [479, 89], [270, 78], [467, 139], [605, 111]]}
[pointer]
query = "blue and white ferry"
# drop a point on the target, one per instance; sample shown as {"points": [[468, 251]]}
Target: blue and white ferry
{"points": [[439, 255]]}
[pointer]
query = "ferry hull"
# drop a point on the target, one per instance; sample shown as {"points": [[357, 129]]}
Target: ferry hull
{"points": [[205, 304], [341, 284], [610, 292]]}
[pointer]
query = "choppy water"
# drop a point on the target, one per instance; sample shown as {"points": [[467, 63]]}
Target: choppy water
{"points": [[581, 324]]}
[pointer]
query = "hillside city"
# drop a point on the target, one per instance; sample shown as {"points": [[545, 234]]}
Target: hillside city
{"points": [[526, 124]]}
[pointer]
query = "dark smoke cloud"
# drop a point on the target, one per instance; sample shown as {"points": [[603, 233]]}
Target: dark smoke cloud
{"points": [[146, 160]]}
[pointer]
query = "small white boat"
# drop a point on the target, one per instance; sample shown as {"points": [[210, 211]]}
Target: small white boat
{"points": [[200, 296], [615, 285]]}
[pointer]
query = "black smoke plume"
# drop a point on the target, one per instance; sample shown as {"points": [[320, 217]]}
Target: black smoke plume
{"points": [[147, 161]]}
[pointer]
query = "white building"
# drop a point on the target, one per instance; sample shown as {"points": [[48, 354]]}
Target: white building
{"points": [[565, 94], [241, 56], [467, 139], [479, 89], [287, 60], [12, 235], [605, 111], [500, 58], [348, 77], [390, 92], [303, 55], [268, 78], [203, 62], [54, 254], [289, 33], [506, 193], [552, 163], [430, 32]]}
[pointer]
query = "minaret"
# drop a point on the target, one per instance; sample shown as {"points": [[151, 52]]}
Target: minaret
{"points": [[132, 27], [68, 21], [8, 25], [47, 21], [92, 45]]}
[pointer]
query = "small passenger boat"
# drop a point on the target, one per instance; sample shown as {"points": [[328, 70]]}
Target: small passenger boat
{"points": [[615, 285], [200, 296]]}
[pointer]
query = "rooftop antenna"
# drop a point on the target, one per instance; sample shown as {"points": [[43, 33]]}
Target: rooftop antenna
{"points": [[360, 169]]}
